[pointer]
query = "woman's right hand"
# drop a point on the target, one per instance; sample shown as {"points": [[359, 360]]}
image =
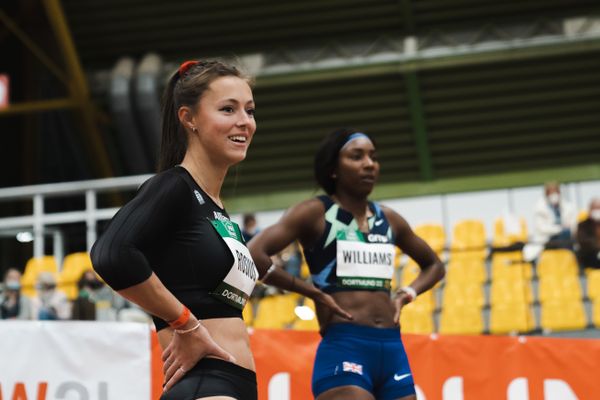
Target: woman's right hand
{"points": [[186, 349]]}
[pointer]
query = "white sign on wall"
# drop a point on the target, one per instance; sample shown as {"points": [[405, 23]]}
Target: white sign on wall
{"points": [[74, 360]]}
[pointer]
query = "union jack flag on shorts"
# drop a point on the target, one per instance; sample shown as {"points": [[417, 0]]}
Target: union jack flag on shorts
{"points": [[352, 367]]}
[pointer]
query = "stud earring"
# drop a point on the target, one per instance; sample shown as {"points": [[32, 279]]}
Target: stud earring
{"points": [[194, 129]]}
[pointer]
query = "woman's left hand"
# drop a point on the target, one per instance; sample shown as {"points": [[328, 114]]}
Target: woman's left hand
{"points": [[186, 349]]}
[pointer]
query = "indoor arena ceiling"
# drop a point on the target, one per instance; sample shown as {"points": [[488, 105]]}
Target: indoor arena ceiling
{"points": [[105, 30], [529, 104]]}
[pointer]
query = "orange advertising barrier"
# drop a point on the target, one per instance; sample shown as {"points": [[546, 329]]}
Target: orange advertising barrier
{"points": [[446, 367]]}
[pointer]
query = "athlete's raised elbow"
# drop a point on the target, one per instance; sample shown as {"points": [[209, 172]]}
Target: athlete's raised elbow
{"points": [[120, 267], [100, 263]]}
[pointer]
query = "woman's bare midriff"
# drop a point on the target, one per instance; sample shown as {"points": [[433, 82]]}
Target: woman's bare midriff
{"points": [[229, 333], [368, 308]]}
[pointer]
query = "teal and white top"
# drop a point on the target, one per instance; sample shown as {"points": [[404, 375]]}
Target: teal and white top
{"points": [[345, 258]]}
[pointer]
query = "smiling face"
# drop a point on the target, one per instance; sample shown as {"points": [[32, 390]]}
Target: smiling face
{"points": [[223, 119], [358, 167]]}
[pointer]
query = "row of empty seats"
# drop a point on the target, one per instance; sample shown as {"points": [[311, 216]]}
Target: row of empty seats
{"points": [[470, 234], [519, 298], [504, 295], [279, 312], [73, 267]]}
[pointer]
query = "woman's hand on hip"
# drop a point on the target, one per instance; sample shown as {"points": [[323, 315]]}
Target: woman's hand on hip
{"points": [[186, 349], [400, 300]]}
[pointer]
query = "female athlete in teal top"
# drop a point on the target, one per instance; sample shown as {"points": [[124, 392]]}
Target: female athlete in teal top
{"points": [[349, 246]]}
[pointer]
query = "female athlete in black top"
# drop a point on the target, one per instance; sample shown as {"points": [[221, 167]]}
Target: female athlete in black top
{"points": [[173, 250]]}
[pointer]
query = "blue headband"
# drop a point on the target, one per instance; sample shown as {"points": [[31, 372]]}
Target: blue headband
{"points": [[356, 135]]}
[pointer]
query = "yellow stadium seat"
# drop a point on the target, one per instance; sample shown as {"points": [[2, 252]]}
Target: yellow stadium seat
{"points": [[74, 265], [510, 291], [510, 265], [433, 234], [515, 272], [248, 313], [559, 288], [416, 318], [461, 320], [511, 318], [593, 284], [465, 271], [276, 312], [397, 257], [463, 294], [596, 313], [32, 269], [502, 238], [507, 258], [409, 272], [394, 282], [560, 315], [559, 262], [478, 255], [469, 234], [304, 270], [425, 300]]}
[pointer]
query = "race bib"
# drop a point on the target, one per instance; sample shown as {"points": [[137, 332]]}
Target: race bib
{"points": [[362, 264], [239, 282]]}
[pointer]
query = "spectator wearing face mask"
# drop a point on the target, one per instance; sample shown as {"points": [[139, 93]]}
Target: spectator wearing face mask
{"points": [[13, 305], [555, 219], [49, 304], [588, 237], [95, 300]]}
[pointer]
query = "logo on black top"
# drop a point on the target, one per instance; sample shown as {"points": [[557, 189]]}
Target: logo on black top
{"points": [[219, 216], [199, 197]]}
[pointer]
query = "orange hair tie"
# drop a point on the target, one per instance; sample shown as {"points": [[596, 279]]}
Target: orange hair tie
{"points": [[182, 320], [185, 66]]}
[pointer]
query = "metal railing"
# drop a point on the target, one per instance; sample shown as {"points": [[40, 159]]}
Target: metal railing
{"points": [[40, 220]]}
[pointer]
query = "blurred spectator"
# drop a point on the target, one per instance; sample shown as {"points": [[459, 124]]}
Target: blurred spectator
{"points": [[249, 228], [13, 305], [555, 219], [588, 237], [291, 259], [49, 304], [84, 307], [96, 301]]}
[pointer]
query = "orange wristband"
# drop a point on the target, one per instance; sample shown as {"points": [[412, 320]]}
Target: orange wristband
{"points": [[182, 320]]}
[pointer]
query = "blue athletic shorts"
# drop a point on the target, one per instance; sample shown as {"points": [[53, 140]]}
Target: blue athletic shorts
{"points": [[372, 358]]}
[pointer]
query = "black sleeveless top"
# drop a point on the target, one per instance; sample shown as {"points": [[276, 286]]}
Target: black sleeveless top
{"points": [[166, 229], [321, 259]]}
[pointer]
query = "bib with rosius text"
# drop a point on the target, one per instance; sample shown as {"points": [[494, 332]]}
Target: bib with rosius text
{"points": [[361, 264], [239, 282]]}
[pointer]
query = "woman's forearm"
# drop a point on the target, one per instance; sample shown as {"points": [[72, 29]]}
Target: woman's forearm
{"points": [[284, 280], [155, 298], [428, 277]]}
